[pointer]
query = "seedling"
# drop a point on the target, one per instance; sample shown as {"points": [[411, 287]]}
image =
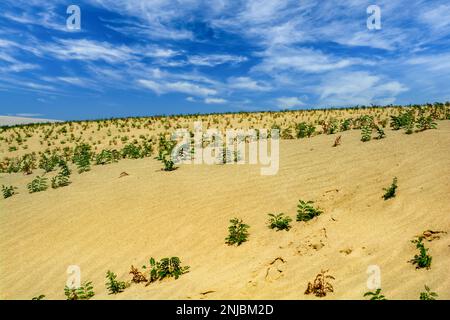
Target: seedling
{"points": [[306, 211], [321, 285], [85, 292], [37, 185], [114, 286], [366, 133], [423, 259], [39, 297], [166, 268], [375, 295], [238, 232], [8, 191], [390, 192], [279, 222], [428, 294]]}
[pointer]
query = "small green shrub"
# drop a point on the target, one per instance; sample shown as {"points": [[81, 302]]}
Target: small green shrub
{"points": [[428, 294], [380, 133], [366, 133], [39, 297], [390, 192], [8, 191], [84, 292], [306, 211], [375, 295], [423, 259], [113, 285], [279, 222], [60, 180], [82, 157], [38, 184], [304, 130], [238, 232], [425, 123], [166, 268]]}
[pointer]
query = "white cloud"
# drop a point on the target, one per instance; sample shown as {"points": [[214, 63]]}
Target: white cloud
{"points": [[215, 101], [246, 83], [289, 102], [215, 59], [358, 88], [189, 88]]}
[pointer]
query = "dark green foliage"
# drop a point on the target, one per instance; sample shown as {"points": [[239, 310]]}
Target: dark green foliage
{"points": [[38, 184], [375, 295], [8, 191], [238, 232], [279, 222], [65, 171], [366, 133], [390, 192], [131, 151], [39, 297], [425, 123], [403, 121], [306, 211], [428, 294], [60, 180], [48, 163], [423, 259], [82, 157], [304, 130], [84, 292], [106, 157], [27, 164], [166, 268], [113, 285], [380, 132], [346, 124]]}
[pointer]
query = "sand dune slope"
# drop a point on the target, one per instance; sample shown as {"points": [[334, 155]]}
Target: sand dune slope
{"points": [[102, 222]]}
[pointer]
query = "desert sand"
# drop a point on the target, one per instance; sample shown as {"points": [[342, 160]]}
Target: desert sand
{"points": [[106, 222]]}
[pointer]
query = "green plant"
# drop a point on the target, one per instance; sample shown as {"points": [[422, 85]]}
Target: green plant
{"points": [[390, 192], [8, 191], [428, 294], [423, 259], [166, 268], [238, 232], [114, 286], [82, 157], [84, 292], [169, 165], [380, 132], [366, 133], [61, 180], [279, 222], [306, 211], [39, 297], [375, 295], [425, 123], [37, 185], [304, 130]]}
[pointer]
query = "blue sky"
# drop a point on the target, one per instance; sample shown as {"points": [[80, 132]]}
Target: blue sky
{"points": [[139, 57]]}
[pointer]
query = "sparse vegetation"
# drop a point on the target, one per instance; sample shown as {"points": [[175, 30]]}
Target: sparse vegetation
{"points": [[428, 294], [423, 259], [391, 191], [306, 211], [8, 191], [238, 232], [84, 292], [375, 295], [321, 285], [38, 184], [113, 285], [166, 268], [279, 221]]}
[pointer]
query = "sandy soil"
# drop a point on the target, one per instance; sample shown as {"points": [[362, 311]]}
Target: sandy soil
{"points": [[102, 222]]}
